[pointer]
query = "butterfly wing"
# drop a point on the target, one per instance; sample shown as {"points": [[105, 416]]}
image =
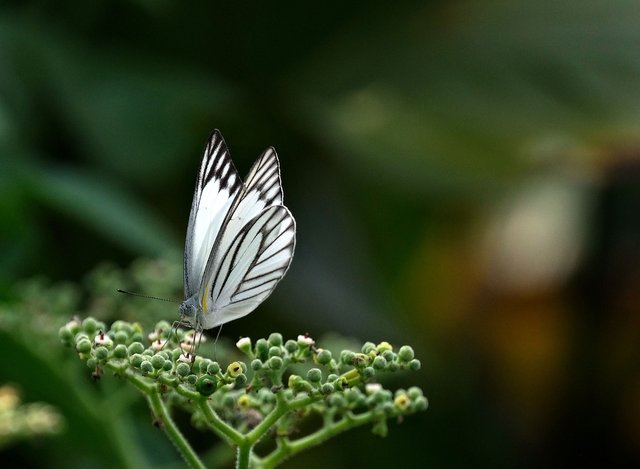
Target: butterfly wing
{"points": [[262, 189], [251, 267], [217, 187]]}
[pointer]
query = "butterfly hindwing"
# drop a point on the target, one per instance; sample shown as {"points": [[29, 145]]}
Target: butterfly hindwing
{"points": [[251, 267], [217, 187]]}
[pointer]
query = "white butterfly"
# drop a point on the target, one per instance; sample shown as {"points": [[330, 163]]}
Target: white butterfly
{"points": [[240, 239]]}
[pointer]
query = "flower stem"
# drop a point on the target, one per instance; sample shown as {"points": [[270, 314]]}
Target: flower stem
{"points": [[172, 431]]}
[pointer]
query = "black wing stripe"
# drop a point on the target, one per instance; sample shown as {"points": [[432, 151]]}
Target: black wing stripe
{"points": [[238, 243], [247, 297], [262, 261], [237, 292], [248, 279]]}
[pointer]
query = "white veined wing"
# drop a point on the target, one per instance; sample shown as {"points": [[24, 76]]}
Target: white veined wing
{"points": [[261, 189], [217, 187], [249, 270]]}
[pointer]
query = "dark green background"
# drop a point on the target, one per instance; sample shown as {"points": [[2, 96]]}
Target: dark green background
{"points": [[464, 175]]}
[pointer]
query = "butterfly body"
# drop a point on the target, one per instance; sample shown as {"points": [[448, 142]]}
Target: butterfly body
{"points": [[240, 238]]}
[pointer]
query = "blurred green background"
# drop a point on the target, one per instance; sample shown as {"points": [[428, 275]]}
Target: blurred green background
{"points": [[465, 176]]}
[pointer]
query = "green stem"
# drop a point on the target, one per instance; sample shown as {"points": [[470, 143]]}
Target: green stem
{"points": [[244, 456], [172, 431], [287, 448], [219, 426]]}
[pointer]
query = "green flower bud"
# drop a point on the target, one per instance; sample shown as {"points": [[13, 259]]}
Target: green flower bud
{"points": [[203, 365], [275, 352], [405, 354], [414, 365], [275, 339], [294, 381], [291, 346], [137, 336], [347, 357], [275, 363], [136, 360], [183, 369], [92, 363], [213, 368], [120, 337], [206, 385], [338, 401], [388, 409], [393, 366], [360, 359], [352, 394], [314, 375], [120, 351], [240, 380], [368, 372], [83, 346], [322, 356], [162, 326], [228, 401], [234, 369], [90, 326], [65, 335], [326, 388], [192, 379], [381, 396], [168, 365], [414, 392], [262, 348], [383, 347], [368, 347], [146, 366], [73, 326], [101, 353], [379, 363], [157, 361], [421, 403], [136, 347], [389, 356], [266, 396], [332, 377], [256, 365]]}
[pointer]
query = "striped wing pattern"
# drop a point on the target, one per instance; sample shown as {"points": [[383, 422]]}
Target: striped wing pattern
{"points": [[262, 189], [240, 239], [217, 186], [250, 269]]}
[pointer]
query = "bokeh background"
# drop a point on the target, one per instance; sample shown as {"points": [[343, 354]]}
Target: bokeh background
{"points": [[465, 176]]}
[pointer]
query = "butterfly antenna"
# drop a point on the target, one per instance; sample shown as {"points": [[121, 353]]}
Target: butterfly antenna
{"points": [[147, 296]]}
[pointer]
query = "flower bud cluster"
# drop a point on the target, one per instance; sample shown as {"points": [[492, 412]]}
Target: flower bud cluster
{"points": [[245, 392]]}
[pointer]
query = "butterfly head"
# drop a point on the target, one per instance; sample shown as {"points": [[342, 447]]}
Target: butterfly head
{"points": [[189, 310]]}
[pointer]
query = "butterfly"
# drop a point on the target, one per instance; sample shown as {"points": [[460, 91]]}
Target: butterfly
{"points": [[240, 238]]}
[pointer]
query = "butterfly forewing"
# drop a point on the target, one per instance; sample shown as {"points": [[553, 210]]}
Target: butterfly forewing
{"points": [[256, 260], [217, 186]]}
